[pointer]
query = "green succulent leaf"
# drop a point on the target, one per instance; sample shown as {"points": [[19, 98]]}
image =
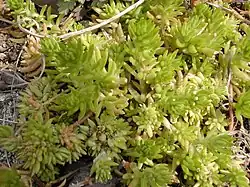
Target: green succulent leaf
{"points": [[158, 175], [242, 106], [10, 177], [102, 166]]}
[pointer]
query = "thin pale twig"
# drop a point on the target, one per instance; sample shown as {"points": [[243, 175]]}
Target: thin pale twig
{"points": [[6, 21], [231, 113], [17, 61], [4, 109], [18, 85], [14, 116], [7, 159], [21, 28], [43, 66], [61, 178], [243, 12], [105, 22], [230, 91], [29, 32], [231, 11], [15, 76], [68, 35], [20, 78], [79, 122], [8, 121]]}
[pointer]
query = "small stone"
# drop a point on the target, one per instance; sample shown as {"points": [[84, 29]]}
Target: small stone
{"points": [[3, 56], [3, 48]]}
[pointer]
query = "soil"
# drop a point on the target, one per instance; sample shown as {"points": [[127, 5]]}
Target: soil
{"points": [[81, 177], [9, 51], [242, 143]]}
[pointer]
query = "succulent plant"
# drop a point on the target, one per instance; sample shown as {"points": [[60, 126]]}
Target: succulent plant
{"points": [[149, 88]]}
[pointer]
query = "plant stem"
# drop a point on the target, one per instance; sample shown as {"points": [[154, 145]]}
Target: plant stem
{"points": [[231, 113], [79, 122]]}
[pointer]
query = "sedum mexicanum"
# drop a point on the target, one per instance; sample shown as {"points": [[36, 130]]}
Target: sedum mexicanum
{"points": [[147, 92]]}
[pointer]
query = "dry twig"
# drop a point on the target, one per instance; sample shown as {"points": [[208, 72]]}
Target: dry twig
{"points": [[6, 21], [79, 122], [17, 61], [231, 11], [29, 32], [68, 35], [105, 22], [43, 67], [231, 113], [230, 96], [63, 178]]}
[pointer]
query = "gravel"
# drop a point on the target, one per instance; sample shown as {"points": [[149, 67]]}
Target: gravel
{"points": [[8, 116], [9, 51]]}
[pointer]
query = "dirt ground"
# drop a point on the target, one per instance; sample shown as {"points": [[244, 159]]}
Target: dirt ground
{"points": [[9, 51]]}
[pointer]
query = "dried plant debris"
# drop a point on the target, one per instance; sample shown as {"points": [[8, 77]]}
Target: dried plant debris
{"points": [[242, 144], [9, 53], [3, 8], [32, 61], [9, 50]]}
